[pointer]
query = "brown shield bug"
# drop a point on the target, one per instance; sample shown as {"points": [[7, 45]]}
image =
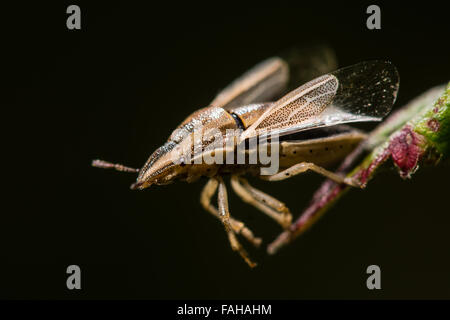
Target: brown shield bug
{"points": [[307, 122]]}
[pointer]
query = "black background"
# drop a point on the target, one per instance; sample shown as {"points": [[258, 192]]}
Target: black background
{"points": [[116, 88]]}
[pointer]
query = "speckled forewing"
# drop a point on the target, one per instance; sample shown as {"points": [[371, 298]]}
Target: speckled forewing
{"points": [[297, 106]]}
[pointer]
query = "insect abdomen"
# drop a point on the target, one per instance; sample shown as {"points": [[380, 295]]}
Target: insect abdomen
{"points": [[322, 151]]}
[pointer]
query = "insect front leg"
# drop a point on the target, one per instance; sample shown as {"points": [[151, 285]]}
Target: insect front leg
{"points": [[305, 166], [275, 209], [238, 227], [225, 217]]}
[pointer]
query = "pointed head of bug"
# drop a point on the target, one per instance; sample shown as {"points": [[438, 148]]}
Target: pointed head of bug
{"points": [[175, 160], [163, 167]]}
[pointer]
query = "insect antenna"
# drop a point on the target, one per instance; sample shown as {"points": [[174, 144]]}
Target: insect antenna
{"points": [[109, 165]]}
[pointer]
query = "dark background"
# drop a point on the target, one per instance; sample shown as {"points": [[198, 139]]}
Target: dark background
{"points": [[116, 89]]}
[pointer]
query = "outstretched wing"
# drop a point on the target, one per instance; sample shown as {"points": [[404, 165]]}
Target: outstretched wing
{"points": [[271, 78], [363, 92], [263, 82], [308, 62]]}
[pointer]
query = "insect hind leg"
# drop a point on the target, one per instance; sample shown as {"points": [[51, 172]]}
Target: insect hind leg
{"points": [[305, 166]]}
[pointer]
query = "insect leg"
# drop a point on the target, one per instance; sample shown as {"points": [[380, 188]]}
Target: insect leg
{"points": [[225, 217], [275, 209], [238, 227], [305, 166]]}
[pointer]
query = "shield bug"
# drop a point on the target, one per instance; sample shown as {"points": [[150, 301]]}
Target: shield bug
{"points": [[309, 122]]}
